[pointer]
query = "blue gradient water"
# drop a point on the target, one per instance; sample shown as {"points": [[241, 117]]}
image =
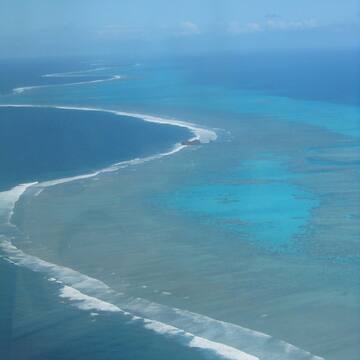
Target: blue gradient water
{"points": [[258, 230]]}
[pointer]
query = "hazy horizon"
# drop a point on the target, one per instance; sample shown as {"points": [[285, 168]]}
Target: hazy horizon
{"points": [[137, 27]]}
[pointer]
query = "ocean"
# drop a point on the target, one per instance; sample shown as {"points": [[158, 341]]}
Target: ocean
{"points": [[191, 207]]}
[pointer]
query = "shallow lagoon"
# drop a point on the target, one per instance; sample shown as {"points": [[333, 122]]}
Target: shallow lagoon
{"points": [[256, 199]]}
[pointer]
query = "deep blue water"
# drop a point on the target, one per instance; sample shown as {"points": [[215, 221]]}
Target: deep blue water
{"points": [[28, 72], [332, 75], [38, 144]]}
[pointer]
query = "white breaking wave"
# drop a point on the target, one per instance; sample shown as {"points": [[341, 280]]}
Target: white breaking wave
{"points": [[8, 200], [227, 340], [20, 90], [85, 302], [71, 74], [112, 168], [201, 134], [73, 280], [74, 73]]}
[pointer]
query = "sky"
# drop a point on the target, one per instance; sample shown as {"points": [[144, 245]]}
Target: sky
{"points": [[65, 27]]}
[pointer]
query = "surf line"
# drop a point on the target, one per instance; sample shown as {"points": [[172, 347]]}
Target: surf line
{"points": [[194, 330], [78, 73], [200, 135], [8, 201], [21, 90], [88, 294], [226, 340], [91, 303]]}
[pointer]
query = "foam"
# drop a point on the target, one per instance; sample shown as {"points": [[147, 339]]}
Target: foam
{"points": [[191, 329], [74, 73], [111, 168], [54, 272], [21, 90], [201, 134], [8, 200], [194, 341], [253, 342], [85, 302], [90, 303], [225, 351]]}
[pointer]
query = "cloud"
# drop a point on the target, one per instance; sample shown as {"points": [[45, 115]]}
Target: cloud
{"points": [[272, 22], [189, 28], [279, 24]]}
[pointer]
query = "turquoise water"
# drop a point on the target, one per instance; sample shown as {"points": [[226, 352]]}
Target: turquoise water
{"points": [[256, 230], [256, 199]]}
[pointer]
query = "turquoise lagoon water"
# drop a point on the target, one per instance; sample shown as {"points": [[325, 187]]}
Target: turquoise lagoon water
{"points": [[256, 233], [256, 199]]}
